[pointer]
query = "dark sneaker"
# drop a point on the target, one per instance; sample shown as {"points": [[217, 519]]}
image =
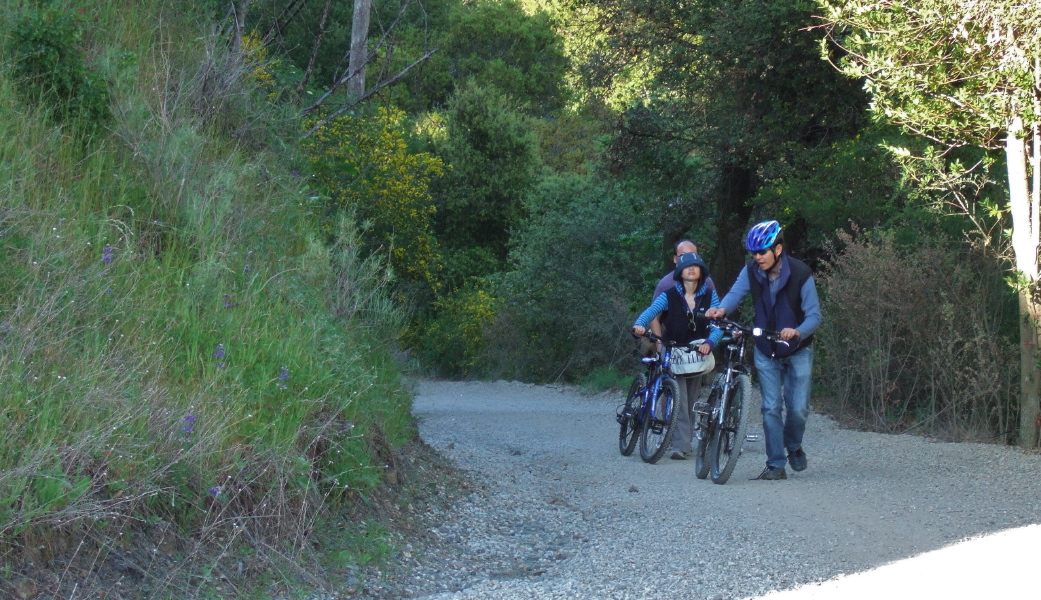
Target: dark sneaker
{"points": [[677, 455], [797, 460], [773, 473]]}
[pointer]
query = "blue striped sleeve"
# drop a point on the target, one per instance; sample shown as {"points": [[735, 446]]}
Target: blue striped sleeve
{"points": [[715, 333], [656, 308]]}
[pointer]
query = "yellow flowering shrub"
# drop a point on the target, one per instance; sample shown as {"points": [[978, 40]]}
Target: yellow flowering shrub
{"points": [[455, 340], [366, 166], [255, 55]]}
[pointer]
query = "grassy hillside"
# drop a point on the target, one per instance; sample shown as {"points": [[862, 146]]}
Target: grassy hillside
{"points": [[180, 350]]}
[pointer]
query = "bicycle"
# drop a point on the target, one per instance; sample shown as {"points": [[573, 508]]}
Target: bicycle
{"points": [[630, 414], [648, 412], [721, 423]]}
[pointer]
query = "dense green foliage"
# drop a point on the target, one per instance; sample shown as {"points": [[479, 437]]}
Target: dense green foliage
{"points": [[48, 61], [935, 360], [204, 293], [965, 73], [183, 345]]}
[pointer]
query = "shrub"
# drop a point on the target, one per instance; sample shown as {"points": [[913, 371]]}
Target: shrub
{"points": [[577, 264], [49, 63], [917, 338], [454, 341], [366, 166]]}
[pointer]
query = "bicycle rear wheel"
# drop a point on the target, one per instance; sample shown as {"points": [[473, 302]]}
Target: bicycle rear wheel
{"points": [[657, 429], [705, 429], [728, 440], [629, 416]]}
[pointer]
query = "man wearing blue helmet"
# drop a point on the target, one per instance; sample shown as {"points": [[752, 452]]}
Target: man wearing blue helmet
{"points": [[784, 296]]}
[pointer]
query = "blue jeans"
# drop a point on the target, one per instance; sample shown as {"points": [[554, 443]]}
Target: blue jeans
{"points": [[785, 383]]}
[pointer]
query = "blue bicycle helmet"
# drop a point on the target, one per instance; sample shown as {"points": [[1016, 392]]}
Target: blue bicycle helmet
{"points": [[762, 236]]}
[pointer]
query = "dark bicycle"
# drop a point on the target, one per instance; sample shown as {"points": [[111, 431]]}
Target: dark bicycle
{"points": [[649, 414], [721, 423]]}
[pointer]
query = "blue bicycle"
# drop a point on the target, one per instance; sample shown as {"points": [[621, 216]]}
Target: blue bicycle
{"points": [[648, 414]]}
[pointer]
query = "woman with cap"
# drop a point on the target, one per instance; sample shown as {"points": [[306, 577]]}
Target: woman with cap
{"points": [[681, 304]]}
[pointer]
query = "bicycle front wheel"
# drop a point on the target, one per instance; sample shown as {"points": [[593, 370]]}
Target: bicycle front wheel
{"points": [[629, 417], [657, 429], [729, 439], [704, 432]]}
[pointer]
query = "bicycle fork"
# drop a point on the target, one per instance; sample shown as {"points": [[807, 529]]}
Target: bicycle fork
{"points": [[707, 415]]}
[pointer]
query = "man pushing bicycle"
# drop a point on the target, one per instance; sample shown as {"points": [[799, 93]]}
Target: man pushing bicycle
{"points": [[784, 297]]}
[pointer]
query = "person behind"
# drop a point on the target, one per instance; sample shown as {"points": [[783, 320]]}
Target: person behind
{"points": [[681, 247], [678, 305], [684, 246], [785, 299]]}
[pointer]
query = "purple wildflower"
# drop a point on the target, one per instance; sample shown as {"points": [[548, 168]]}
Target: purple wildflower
{"points": [[189, 424], [215, 490], [106, 254], [282, 377], [227, 300], [219, 352]]}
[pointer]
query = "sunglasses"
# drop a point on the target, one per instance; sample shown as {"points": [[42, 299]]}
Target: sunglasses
{"points": [[692, 319], [762, 252]]}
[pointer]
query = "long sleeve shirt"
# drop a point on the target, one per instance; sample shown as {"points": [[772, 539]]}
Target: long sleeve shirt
{"points": [[811, 306], [661, 303]]}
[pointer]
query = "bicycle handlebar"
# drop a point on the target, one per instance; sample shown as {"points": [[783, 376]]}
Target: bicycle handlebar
{"points": [[650, 335], [773, 336], [726, 325]]}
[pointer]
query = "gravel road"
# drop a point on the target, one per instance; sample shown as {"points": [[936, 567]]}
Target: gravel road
{"points": [[561, 514]]}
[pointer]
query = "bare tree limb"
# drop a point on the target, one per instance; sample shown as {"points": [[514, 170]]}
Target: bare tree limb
{"points": [[279, 24], [332, 89], [367, 95], [314, 52]]}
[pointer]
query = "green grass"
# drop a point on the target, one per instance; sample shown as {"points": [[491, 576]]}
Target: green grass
{"points": [[604, 379], [129, 259]]}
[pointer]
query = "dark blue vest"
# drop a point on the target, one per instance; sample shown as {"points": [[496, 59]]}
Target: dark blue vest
{"points": [[678, 316], [775, 314]]}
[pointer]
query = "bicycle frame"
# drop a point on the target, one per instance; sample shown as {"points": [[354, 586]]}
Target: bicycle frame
{"points": [[657, 373], [734, 364]]}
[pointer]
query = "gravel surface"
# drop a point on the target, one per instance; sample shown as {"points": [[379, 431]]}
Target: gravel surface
{"points": [[561, 514]]}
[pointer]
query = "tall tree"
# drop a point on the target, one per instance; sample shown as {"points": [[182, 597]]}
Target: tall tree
{"points": [[359, 49], [965, 72], [733, 83]]}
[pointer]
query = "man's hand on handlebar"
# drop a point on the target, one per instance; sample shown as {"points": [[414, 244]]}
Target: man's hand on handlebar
{"points": [[715, 313], [788, 333]]}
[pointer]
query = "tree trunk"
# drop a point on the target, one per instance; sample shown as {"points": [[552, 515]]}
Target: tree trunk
{"points": [[733, 210], [239, 13], [1029, 373], [359, 49], [1023, 206]]}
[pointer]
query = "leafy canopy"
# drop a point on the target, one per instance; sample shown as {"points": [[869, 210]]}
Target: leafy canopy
{"points": [[954, 71]]}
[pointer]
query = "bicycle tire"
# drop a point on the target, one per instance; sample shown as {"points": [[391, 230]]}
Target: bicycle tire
{"points": [[729, 440], [629, 420], [653, 444], [701, 459]]}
